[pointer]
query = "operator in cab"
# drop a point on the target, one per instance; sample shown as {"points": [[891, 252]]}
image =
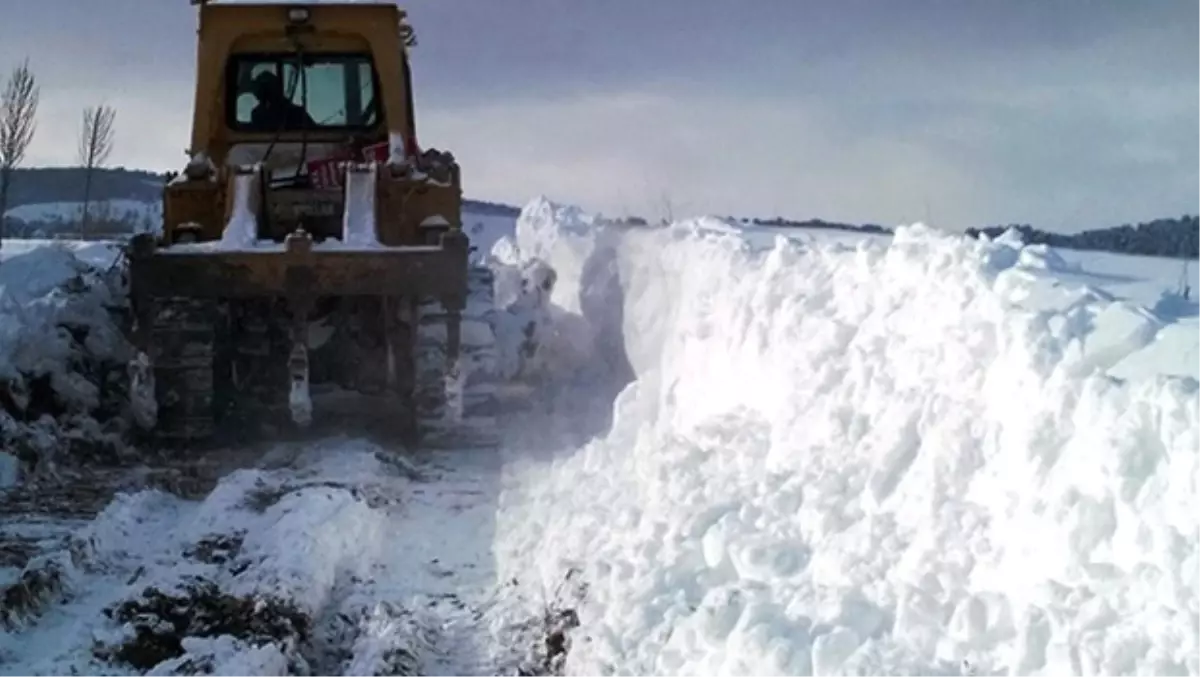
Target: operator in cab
{"points": [[274, 110]]}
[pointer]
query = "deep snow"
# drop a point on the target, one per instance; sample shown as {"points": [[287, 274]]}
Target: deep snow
{"points": [[750, 451], [891, 457]]}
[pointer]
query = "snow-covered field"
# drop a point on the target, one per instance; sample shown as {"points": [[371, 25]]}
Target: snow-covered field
{"points": [[50, 217], [751, 451]]}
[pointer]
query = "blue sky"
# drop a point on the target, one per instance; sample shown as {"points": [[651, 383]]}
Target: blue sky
{"points": [[1066, 115]]}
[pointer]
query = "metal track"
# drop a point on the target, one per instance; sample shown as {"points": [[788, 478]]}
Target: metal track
{"points": [[257, 376], [223, 365], [456, 405], [184, 333]]}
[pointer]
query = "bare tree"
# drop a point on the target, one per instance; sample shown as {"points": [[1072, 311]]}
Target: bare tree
{"points": [[18, 113], [95, 145]]}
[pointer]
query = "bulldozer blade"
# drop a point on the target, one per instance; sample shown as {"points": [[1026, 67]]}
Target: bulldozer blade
{"points": [[298, 267]]}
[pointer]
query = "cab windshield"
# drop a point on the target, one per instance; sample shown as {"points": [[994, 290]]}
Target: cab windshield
{"points": [[272, 93]]}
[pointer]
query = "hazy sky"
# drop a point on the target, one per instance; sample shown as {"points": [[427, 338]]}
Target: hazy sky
{"points": [[1061, 114]]}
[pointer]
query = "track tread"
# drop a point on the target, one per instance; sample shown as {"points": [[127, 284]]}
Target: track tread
{"points": [[457, 408], [184, 333], [196, 342]]}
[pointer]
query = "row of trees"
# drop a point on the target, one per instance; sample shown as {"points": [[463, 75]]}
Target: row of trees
{"points": [[18, 122], [1174, 238]]}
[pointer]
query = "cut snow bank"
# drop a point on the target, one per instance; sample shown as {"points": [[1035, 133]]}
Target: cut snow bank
{"points": [[901, 456]]}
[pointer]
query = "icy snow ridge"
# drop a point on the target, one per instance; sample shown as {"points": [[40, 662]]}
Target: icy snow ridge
{"points": [[900, 456]]}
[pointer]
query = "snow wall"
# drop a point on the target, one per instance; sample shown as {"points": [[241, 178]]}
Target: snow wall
{"points": [[902, 455]]}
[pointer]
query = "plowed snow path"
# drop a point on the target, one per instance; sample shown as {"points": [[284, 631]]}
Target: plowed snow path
{"points": [[446, 533], [388, 556]]}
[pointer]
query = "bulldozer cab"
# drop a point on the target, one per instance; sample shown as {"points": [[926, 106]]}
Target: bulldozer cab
{"points": [[299, 91], [327, 73], [338, 93]]}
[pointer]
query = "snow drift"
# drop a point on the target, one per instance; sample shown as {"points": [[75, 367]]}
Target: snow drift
{"points": [[904, 455]]}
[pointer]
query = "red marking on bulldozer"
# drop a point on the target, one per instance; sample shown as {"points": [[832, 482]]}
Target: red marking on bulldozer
{"points": [[330, 172]]}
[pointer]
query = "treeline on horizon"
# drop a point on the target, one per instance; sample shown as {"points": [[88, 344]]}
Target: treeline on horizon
{"points": [[1175, 238], [1168, 237]]}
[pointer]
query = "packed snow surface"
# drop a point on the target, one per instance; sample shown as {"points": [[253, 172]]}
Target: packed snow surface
{"points": [[382, 555], [751, 451]]}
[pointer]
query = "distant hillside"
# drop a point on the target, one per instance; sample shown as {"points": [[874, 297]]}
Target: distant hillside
{"points": [[44, 200], [65, 184], [48, 200]]}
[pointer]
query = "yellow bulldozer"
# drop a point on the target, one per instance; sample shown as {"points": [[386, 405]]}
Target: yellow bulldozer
{"points": [[310, 248]]}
